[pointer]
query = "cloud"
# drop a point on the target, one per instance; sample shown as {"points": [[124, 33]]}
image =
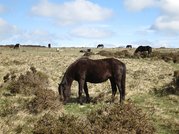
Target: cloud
{"points": [[170, 7], [167, 21], [2, 9], [71, 12], [11, 34], [138, 5], [91, 32], [34, 37], [6, 30]]}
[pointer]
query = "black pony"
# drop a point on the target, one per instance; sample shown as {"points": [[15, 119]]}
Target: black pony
{"points": [[17, 46], [86, 70], [143, 49], [129, 46], [100, 46]]}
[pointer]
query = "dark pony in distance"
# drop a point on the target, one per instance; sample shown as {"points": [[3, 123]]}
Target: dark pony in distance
{"points": [[100, 46], [142, 49], [86, 70], [16, 46], [129, 46]]}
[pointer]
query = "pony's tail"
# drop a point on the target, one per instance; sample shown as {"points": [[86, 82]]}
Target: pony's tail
{"points": [[123, 82]]}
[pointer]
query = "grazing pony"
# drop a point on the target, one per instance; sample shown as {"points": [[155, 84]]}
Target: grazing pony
{"points": [[17, 46], [129, 46], [86, 70], [143, 49], [100, 46], [49, 45]]}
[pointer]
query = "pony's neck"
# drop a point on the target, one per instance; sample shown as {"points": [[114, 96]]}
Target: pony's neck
{"points": [[67, 80]]}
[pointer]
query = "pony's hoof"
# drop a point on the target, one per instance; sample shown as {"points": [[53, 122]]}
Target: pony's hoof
{"points": [[88, 101]]}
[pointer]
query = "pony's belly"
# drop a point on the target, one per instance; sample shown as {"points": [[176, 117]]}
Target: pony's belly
{"points": [[96, 80]]}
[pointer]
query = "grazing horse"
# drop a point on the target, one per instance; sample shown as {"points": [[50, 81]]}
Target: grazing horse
{"points": [[143, 49], [129, 46], [100, 46], [86, 70], [17, 46], [49, 45]]}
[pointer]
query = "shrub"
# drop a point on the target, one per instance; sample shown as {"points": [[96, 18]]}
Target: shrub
{"points": [[44, 100], [120, 119], [35, 83], [29, 83], [107, 120], [65, 124]]}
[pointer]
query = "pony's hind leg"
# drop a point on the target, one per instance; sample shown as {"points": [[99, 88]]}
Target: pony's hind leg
{"points": [[86, 92], [80, 91], [114, 89], [120, 92]]}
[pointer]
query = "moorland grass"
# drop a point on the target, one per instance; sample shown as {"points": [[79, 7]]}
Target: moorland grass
{"points": [[162, 111]]}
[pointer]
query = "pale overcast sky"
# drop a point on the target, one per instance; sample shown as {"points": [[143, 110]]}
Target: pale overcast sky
{"points": [[86, 23]]}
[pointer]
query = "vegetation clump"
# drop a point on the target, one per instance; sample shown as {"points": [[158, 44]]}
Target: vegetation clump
{"points": [[28, 83], [120, 119], [105, 53], [117, 54], [170, 89], [34, 83], [114, 119], [44, 100], [49, 124]]}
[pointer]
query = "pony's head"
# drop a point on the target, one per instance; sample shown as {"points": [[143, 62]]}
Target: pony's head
{"points": [[64, 92]]}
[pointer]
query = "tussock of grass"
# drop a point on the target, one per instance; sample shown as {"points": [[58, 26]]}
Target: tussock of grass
{"points": [[171, 88], [117, 54]]}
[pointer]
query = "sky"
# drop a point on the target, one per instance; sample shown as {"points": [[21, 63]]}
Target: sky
{"points": [[87, 23]]}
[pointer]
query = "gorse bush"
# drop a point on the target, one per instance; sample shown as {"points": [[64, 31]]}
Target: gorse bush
{"points": [[122, 119], [49, 124], [34, 83], [115, 119], [44, 100], [29, 83]]}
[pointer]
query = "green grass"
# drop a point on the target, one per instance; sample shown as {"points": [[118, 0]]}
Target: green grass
{"points": [[163, 111], [81, 110]]}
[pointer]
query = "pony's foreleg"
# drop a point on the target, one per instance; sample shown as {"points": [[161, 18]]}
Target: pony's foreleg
{"points": [[80, 91], [114, 89], [86, 92]]}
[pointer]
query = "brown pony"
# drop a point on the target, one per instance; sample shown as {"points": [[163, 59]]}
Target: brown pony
{"points": [[86, 70]]}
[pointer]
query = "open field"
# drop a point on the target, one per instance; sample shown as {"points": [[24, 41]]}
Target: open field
{"points": [[144, 77]]}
